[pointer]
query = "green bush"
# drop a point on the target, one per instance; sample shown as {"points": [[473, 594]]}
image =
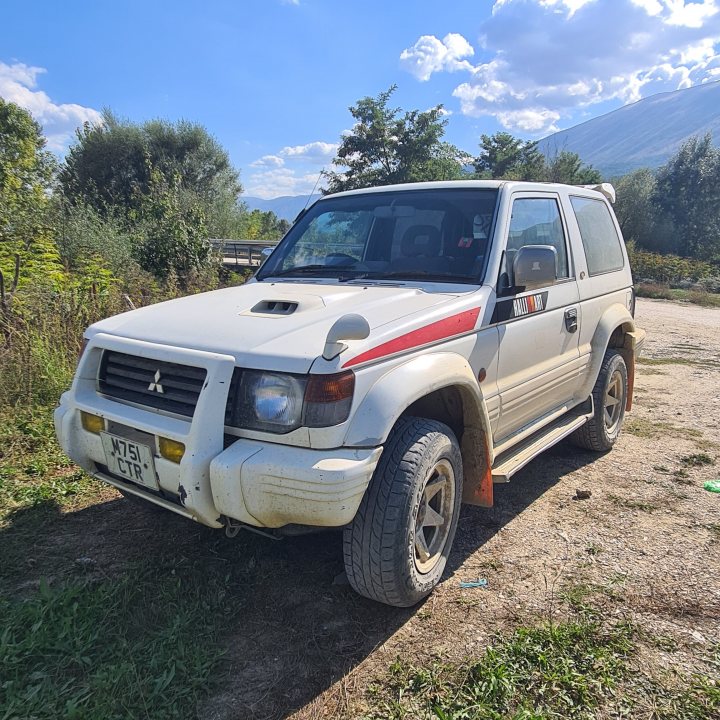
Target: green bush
{"points": [[668, 268]]}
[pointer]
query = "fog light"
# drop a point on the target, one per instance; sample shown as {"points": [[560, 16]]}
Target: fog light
{"points": [[92, 423], [171, 449]]}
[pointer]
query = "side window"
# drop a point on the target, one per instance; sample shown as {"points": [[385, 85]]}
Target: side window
{"points": [[603, 251], [536, 221]]}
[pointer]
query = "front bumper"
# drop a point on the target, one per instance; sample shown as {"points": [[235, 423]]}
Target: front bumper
{"points": [[259, 483]]}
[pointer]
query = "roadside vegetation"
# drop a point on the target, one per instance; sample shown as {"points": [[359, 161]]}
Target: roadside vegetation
{"points": [[124, 222]]}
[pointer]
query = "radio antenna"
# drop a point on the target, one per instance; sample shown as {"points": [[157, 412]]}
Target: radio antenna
{"points": [[322, 172]]}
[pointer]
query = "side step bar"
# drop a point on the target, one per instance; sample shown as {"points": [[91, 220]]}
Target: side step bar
{"points": [[518, 456]]}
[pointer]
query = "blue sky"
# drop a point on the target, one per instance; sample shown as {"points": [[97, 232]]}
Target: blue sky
{"points": [[273, 79]]}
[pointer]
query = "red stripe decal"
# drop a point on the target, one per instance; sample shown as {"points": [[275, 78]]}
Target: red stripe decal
{"points": [[440, 330]]}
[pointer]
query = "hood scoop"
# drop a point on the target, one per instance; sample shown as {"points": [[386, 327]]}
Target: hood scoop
{"points": [[274, 307]]}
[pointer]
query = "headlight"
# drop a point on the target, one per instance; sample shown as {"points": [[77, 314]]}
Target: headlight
{"points": [[270, 401], [280, 403]]}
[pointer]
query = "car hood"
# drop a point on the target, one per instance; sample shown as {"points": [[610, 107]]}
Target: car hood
{"points": [[276, 326]]}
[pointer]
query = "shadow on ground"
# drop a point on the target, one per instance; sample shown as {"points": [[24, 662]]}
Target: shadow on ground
{"points": [[293, 631]]}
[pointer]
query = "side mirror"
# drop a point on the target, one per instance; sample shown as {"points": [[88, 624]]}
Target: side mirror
{"points": [[535, 266]]}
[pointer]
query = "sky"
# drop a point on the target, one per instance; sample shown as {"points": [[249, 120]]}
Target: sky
{"points": [[272, 80]]}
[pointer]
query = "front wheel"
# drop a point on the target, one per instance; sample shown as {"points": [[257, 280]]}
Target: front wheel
{"points": [[397, 546], [601, 431]]}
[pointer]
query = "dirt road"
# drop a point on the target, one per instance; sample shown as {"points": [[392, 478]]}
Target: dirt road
{"points": [[644, 546]]}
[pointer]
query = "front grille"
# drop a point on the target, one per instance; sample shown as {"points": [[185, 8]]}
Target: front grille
{"points": [[134, 379]]}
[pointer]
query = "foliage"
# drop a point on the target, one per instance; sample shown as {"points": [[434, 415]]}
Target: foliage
{"points": [[25, 175], [34, 469], [505, 157], [577, 669], [118, 648], [688, 195], [551, 671], [114, 164], [567, 167], [667, 268], [388, 146], [635, 208], [173, 227]]}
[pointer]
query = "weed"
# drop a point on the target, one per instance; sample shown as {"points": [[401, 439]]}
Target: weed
{"points": [[644, 428], [632, 504], [563, 670], [34, 469], [138, 646], [697, 460]]}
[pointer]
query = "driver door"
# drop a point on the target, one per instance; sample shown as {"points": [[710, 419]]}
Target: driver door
{"points": [[539, 358]]}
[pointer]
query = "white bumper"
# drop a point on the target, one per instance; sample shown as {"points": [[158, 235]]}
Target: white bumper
{"points": [[259, 483]]}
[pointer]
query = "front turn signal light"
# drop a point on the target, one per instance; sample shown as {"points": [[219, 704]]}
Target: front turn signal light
{"points": [[92, 423], [171, 449]]}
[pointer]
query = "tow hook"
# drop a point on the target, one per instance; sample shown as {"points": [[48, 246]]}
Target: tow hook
{"points": [[233, 527]]}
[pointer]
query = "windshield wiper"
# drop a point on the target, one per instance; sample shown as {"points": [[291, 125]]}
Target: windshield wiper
{"points": [[413, 275], [307, 269]]}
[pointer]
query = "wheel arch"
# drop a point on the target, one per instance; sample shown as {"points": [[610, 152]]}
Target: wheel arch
{"points": [[616, 330], [439, 386]]}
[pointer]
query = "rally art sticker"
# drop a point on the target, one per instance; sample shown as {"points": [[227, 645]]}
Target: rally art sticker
{"points": [[519, 307]]}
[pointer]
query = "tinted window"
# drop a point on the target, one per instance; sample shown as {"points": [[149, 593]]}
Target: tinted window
{"points": [[599, 236], [536, 221]]}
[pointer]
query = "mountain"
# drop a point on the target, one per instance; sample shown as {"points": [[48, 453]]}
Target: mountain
{"points": [[644, 134], [285, 207]]}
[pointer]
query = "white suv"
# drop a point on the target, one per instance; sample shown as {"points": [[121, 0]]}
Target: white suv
{"points": [[402, 349]]}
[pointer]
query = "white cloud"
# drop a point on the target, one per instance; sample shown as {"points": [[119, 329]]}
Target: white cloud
{"points": [[548, 59], [429, 55], [282, 181], [530, 120], [18, 84], [268, 161], [293, 170], [315, 151]]}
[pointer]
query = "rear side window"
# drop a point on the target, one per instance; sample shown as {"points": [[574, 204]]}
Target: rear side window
{"points": [[599, 236]]}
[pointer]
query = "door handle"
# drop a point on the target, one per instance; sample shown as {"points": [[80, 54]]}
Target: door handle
{"points": [[571, 320]]}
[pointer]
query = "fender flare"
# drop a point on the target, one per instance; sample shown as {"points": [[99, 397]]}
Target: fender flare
{"points": [[401, 386], [616, 316]]}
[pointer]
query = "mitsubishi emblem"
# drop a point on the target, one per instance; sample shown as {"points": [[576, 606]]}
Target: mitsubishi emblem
{"points": [[155, 385]]}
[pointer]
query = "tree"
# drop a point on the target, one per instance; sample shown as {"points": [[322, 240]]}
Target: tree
{"points": [[505, 157], [635, 209], [687, 194], [26, 172], [111, 163], [567, 167], [388, 145], [175, 236]]}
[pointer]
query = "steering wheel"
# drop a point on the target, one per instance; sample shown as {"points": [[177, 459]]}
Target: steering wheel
{"points": [[338, 258]]}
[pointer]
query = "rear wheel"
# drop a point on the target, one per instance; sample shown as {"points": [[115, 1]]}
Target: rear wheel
{"points": [[609, 399], [397, 546]]}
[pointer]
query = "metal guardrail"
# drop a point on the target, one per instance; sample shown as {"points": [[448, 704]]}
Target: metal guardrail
{"points": [[245, 253]]}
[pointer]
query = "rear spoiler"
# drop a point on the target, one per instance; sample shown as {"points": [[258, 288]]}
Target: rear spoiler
{"points": [[605, 188]]}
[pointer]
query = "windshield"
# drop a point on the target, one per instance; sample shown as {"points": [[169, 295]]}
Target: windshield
{"points": [[433, 235]]}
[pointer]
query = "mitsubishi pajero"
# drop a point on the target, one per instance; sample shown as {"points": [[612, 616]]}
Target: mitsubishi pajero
{"points": [[401, 350]]}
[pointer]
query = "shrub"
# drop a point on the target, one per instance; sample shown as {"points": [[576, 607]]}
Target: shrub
{"points": [[668, 268]]}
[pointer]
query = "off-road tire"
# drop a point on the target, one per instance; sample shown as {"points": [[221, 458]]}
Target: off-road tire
{"points": [[379, 546], [598, 433]]}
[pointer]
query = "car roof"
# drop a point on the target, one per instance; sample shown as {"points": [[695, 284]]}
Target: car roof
{"points": [[591, 190]]}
